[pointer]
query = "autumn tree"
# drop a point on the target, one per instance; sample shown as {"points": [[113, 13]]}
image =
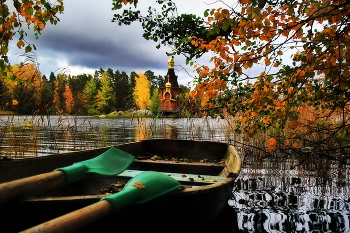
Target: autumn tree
{"points": [[77, 85], [141, 92], [282, 67], [68, 95], [25, 85], [21, 15], [59, 100], [106, 97]]}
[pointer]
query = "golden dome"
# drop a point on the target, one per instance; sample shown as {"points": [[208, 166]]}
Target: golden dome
{"points": [[168, 84], [171, 62]]}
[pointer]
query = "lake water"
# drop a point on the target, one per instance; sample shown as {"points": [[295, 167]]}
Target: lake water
{"points": [[268, 196]]}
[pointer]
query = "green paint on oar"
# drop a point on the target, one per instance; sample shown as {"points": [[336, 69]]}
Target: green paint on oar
{"points": [[110, 163], [143, 188], [140, 189]]}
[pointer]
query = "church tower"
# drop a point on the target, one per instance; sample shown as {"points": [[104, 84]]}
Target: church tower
{"points": [[169, 94]]}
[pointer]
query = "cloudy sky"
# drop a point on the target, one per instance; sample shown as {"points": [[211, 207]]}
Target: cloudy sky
{"points": [[86, 40]]}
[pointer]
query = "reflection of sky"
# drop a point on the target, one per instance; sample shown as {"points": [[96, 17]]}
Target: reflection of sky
{"points": [[282, 200], [58, 134]]}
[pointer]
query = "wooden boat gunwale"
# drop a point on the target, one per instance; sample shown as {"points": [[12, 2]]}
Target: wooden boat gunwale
{"points": [[230, 172]]}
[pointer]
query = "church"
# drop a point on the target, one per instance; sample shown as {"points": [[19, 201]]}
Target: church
{"points": [[169, 95]]}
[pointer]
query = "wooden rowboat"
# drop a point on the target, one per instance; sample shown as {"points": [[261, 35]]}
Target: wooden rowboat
{"points": [[207, 170]]}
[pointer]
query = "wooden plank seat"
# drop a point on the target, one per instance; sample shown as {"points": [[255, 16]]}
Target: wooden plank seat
{"points": [[184, 178]]}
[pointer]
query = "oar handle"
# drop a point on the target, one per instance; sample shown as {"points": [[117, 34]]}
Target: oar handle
{"points": [[29, 186], [75, 220]]}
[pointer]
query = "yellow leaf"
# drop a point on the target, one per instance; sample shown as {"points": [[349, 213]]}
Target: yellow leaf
{"points": [[246, 65]]}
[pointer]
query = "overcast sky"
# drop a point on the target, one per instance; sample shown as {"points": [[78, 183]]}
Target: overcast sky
{"points": [[86, 40]]}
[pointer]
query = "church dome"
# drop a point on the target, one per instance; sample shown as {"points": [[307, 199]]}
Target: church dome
{"points": [[171, 63]]}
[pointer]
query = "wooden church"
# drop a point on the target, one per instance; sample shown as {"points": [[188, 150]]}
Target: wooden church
{"points": [[169, 95]]}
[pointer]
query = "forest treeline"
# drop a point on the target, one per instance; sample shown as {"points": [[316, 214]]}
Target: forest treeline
{"points": [[25, 91]]}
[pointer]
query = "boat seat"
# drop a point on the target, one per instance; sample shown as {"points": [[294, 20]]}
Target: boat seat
{"points": [[188, 179]]}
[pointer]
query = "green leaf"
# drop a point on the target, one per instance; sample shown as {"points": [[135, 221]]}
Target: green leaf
{"points": [[28, 49]]}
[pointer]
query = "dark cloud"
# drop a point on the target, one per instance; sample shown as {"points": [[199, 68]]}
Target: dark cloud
{"points": [[85, 40], [81, 50]]}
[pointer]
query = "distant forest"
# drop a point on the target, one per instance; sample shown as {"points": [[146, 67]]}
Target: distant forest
{"points": [[26, 91]]}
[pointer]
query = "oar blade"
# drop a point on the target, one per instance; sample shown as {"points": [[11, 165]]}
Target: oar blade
{"points": [[108, 164], [142, 188]]}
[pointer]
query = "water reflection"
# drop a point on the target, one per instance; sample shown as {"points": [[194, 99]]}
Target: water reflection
{"points": [[277, 199], [43, 135], [268, 196]]}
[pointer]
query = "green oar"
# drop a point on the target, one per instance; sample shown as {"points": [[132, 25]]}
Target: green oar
{"points": [[140, 189], [110, 163]]}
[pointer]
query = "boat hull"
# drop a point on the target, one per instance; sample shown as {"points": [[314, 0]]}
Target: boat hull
{"points": [[187, 211]]}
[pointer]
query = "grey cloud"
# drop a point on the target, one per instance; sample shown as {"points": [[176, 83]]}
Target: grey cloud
{"points": [[94, 53]]}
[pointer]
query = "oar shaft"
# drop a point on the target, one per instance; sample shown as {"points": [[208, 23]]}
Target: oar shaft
{"points": [[29, 186], [75, 220]]}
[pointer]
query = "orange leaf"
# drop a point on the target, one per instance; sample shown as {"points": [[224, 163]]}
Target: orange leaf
{"points": [[244, 1], [41, 26], [294, 145], [271, 144], [272, 141], [267, 121], [20, 44], [290, 90], [139, 185]]}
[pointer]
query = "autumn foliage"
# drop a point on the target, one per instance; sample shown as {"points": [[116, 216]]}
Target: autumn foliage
{"points": [[16, 19], [279, 67], [315, 77], [142, 92]]}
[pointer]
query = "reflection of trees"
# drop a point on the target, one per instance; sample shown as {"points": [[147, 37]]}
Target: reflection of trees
{"points": [[142, 131], [171, 132], [270, 197]]}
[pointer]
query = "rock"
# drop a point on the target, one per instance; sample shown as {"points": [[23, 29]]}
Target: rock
{"points": [[143, 112]]}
